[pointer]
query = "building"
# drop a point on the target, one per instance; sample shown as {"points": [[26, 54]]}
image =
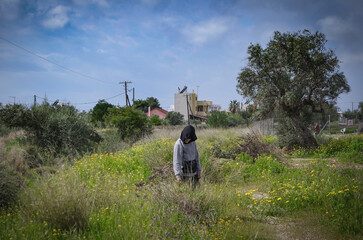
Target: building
{"points": [[157, 111], [199, 109]]}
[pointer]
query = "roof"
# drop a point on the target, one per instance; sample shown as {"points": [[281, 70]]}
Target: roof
{"points": [[159, 109]]}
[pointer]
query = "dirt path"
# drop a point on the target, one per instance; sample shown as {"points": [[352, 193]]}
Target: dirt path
{"points": [[303, 162]]}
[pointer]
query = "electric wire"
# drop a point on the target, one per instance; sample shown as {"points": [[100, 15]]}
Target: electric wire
{"points": [[84, 103], [43, 58]]}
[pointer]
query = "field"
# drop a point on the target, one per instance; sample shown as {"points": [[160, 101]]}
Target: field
{"points": [[250, 189]]}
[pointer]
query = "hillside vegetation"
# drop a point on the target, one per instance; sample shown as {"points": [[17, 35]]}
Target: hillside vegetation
{"points": [[250, 188]]}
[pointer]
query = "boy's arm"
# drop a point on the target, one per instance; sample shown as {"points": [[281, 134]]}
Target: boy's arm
{"points": [[199, 168], [177, 160]]}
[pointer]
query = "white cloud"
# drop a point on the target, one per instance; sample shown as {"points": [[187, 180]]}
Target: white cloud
{"points": [[101, 51], [336, 27], [124, 41], [57, 17], [204, 32]]}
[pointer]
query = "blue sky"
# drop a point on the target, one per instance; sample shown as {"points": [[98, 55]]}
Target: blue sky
{"points": [[158, 46]]}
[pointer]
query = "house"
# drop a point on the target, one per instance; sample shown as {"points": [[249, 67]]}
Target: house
{"points": [[199, 109], [157, 111]]}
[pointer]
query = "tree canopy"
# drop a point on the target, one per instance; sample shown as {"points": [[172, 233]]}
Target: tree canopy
{"points": [[100, 110], [143, 105], [294, 74]]}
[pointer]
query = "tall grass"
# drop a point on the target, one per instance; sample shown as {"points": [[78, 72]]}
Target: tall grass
{"points": [[347, 149], [132, 194]]}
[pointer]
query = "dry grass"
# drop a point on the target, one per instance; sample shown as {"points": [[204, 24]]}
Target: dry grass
{"points": [[173, 132]]}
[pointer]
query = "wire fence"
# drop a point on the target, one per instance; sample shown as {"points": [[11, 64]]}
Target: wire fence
{"points": [[327, 127]]}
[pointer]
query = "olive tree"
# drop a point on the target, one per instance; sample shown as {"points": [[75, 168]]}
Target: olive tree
{"points": [[294, 74]]}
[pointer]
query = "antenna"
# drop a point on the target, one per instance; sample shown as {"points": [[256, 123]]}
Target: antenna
{"points": [[183, 90]]}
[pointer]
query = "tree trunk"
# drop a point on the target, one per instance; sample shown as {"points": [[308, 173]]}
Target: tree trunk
{"points": [[307, 139]]}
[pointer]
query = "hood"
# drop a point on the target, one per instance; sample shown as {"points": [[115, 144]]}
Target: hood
{"points": [[188, 132]]}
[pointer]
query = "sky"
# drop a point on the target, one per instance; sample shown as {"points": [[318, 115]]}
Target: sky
{"points": [[78, 51]]}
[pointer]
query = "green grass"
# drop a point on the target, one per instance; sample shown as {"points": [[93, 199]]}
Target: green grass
{"points": [[132, 194], [346, 149]]}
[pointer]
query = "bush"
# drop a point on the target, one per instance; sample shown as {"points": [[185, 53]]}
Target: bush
{"points": [[99, 112], [218, 119], [14, 116], [111, 141], [59, 129], [174, 118], [253, 144], [155, 120], [132, 124], [234, 120], [10, 183]]}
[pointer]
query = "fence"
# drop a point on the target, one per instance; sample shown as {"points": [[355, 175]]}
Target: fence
{"points": [[342, 126]]}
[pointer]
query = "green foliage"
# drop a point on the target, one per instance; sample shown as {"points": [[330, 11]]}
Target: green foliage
{"points": [[218, 119], [155, 120], [58, 129], [295, 74], [132, 124], [231, 147], [332, 193], [111, 141], [10, 183], [346, 148], [288, 137], [234, 106], [174, 118], [234, 120], [132, 194], [99, 111], [355, 114], [61, 130], [143, 105], [63, 202], [13, 116]]}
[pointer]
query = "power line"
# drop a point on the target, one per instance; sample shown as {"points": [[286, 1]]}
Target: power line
{"points": [[84, 102], [100, 99], [63, 67]]}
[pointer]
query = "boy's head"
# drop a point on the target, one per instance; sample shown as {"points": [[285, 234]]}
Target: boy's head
{"points": [[188, 134]]}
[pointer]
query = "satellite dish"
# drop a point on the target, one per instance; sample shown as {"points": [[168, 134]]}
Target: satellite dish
{"points": [[183, 90]]}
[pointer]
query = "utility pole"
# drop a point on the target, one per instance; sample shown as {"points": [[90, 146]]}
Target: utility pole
{"points": [[35, 100], [352, 106], [133, 96], [188, 108], [126, 96]]}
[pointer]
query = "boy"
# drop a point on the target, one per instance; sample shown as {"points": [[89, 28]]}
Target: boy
{"points": [[186, 162]]}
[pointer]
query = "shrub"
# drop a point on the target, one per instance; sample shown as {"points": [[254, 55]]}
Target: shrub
{"points": [[111, 141], [59, 129], [155, 120], [174, 118], [10, 183], [132, 124], [16, 115], [99, 111], [218, 119], [32, 157], [234, 120], [252, 144]]}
